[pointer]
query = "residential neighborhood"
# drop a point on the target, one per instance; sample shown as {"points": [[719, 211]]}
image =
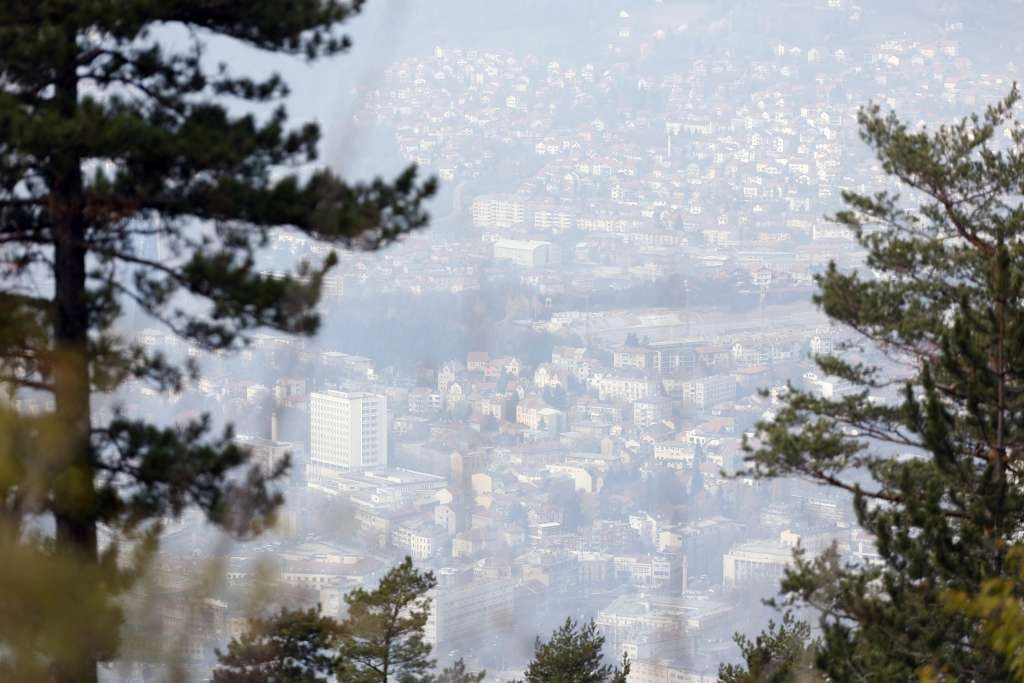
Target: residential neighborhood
{"points": [[548, 397]]}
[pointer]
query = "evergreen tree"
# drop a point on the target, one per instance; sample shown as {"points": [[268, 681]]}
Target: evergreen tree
{"points": [[456, 673], [381, 640], [382, 636], [782, 654], [574, 654], [289, 647], [942, 301], [128, 181]]}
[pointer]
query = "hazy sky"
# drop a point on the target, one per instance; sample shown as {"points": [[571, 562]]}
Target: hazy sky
{"points": [[323, 90]]}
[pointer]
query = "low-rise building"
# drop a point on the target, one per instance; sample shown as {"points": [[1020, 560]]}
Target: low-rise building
{"points": [[652, 410], [625, 388], [758, 561], [708, 391], [419, 538], [526, 253]]}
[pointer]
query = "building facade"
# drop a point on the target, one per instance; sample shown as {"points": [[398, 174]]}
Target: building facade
{"points": [[707, 391], [461, 608], [348, 430]]}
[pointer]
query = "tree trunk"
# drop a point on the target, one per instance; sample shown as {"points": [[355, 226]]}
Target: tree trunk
{"points": [[74, 485]]}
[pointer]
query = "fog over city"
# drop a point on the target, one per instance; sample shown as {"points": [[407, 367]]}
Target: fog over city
{"points": [[543, 396]]}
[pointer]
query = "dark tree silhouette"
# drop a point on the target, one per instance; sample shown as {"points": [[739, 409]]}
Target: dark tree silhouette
{"points": [[574, 654], [383, 634], [784, 653], [129, 182], [943, 301], [288, 647], [457, 673]]}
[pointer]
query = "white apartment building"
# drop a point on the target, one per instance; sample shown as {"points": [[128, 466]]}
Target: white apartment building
{"points": [[666, 671], [648, 571], [553, 217], [498, 211], [268, 454], [421, 540], [652, 410], [625, 388], [632, 357], [652, 626], [671, 356], [679, 452], [707, 391], [568, 358], [829, 387], [757, 561], [348, 429]]}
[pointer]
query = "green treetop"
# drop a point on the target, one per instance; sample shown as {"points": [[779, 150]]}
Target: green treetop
{"points": [[287, 647], [381, 640], [574, 654], [784, 653], [457, 673], [384, 633]]}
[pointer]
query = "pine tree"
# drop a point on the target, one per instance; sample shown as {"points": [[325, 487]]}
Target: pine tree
{"points": [[381, 640], [574, 654], [457, 673], [113, 142], [292, 646], [784, 653], [383, 634], [934, 470]]}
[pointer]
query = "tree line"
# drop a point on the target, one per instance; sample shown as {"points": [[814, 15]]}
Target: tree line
{"points": [[382, 639]]}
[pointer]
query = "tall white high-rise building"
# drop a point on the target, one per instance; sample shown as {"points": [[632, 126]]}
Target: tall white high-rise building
{"points": [[348, 429]]}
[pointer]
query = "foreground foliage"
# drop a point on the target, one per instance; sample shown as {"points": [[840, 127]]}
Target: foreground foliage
{"points": [[131, 184], [783, 653], [381, 640], [384, 629], [574, 654], [292, 646], [457, 673], [999, 606], [934, 466]]}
